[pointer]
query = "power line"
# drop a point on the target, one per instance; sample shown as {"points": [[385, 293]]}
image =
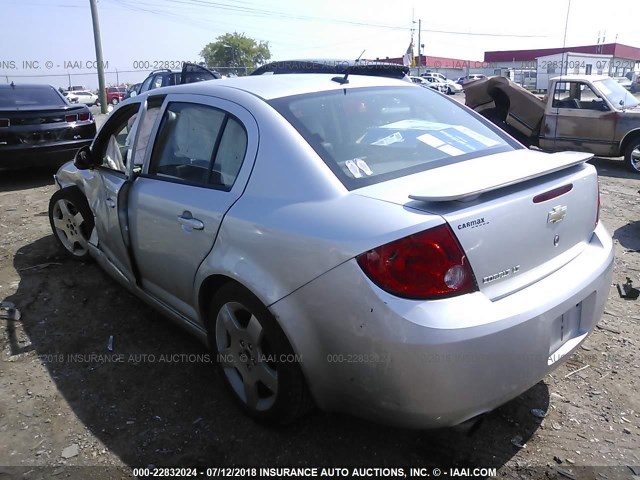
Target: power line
{"points": [[265, 13]]}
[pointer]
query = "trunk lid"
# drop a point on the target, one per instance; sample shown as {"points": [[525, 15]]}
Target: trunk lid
{"points": [[519, 215]]}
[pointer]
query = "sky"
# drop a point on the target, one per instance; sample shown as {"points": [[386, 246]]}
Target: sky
{"points": [[51, 41]]}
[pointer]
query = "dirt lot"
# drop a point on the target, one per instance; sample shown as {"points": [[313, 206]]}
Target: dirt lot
{"points": [[60, 406]]}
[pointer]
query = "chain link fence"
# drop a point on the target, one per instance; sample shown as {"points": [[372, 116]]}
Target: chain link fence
{"points": [[112, 77]]}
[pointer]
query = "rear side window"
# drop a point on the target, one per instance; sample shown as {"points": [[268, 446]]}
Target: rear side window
{"points": [[369, 135], [199, 145], [146, 85], [30, 97]]}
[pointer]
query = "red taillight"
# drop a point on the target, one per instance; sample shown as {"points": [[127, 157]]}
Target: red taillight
{"points": [[70, 118], [426, 265], [4, 123], [84, 116]]}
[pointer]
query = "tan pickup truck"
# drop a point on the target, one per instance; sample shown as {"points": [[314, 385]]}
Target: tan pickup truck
{"points": [[587, 113]]}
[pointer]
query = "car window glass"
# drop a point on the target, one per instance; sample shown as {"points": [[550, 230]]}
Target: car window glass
{"points": [[186, 142], [370, 135], [119, 140], [169, 79], [576, 95], [145, 84], [30, 97], [157, 81], [145, 133], [231, 151]]}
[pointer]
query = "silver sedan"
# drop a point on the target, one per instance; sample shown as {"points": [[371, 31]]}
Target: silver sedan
{"points": [[352, 242]]}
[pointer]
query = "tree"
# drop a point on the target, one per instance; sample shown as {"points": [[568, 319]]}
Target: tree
{"points": [[236, 50]]}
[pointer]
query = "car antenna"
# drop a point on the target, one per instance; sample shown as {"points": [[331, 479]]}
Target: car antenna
{"points": [[345, 79]]}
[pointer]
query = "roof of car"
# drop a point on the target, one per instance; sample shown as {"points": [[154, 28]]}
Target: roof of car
{"points": [[275, 86], [584, 78]]}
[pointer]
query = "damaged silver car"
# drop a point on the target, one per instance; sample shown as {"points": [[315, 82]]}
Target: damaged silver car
{"points": [[354, 242]]}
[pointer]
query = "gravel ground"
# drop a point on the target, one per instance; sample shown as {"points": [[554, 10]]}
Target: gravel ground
{"points": [[64, 402]]}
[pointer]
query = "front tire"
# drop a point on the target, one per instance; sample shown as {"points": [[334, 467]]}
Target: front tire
{"points": [[255, 358], [72, 222], [632, 155], [115, 101]]}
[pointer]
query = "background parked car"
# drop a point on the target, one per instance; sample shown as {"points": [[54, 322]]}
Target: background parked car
{"points": [[115, 94], [39, 127], [420, 81], [429, 83], [452, 87], [624, 82], [132, 91], [83, 96], [190, 73], [470, 78], [436, 84], [634, 77]]}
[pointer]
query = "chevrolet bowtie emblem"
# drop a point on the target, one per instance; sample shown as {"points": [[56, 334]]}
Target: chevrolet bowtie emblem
{"points": [[557, 214]]}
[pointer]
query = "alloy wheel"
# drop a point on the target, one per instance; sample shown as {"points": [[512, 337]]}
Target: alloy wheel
{"points": [[68, 225], [635, 158], [245, 356]]}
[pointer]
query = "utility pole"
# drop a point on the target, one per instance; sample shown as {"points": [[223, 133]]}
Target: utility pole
{"points": [[419, 45], [102, 94]]}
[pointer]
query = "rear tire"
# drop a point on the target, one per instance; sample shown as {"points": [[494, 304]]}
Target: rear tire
{"points": [[72, 222], [255, 359], [115, 101], [632, 155]]}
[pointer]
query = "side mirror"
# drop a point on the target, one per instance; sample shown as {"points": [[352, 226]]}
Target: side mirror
{"points": [[133, 94], [84, 159]]}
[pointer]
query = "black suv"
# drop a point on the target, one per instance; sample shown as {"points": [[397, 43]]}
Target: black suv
{"points": [[190, 73]]}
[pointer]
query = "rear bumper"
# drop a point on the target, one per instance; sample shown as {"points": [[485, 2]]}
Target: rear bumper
{"points": [[435, 364], [25, 156]]}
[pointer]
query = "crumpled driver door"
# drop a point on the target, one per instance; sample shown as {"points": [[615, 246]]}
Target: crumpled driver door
{"points": [[114, 145]]}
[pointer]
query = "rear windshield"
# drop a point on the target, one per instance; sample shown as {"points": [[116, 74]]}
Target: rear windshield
{"points": [[30, 97], [370, 135]]}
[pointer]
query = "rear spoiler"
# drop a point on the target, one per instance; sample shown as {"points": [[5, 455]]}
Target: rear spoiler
{"points": [[502, 171]]}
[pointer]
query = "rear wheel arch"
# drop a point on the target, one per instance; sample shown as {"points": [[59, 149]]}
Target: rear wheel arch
{"points": [[630, 143], [628, 138], [208, 288]]}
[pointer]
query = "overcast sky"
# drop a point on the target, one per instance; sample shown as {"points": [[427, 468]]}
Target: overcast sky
{"points": [[138, 31]]}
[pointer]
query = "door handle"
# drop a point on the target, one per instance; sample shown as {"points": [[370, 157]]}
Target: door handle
{"points": [[110, 202], [187, 220]]}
